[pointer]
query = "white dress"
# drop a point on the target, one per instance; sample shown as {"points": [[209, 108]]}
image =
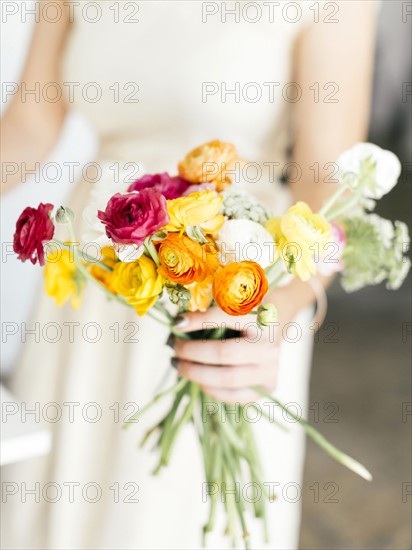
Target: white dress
{"points": [[101, 494]]}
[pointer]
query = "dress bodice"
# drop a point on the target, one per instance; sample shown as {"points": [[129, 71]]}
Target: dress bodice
{"points": [[170, 75]]}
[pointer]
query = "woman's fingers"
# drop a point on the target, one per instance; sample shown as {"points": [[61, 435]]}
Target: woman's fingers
{"points": [[227, 352], [230, 377], [214, 317], [227, 369]]}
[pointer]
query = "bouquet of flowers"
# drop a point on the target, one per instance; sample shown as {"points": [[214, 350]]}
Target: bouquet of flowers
{"points": [[172, 244]]}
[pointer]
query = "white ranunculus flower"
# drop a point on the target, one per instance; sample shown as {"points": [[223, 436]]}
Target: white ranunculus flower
{"points": [[108, 185], [240, 240], [376, 169]]}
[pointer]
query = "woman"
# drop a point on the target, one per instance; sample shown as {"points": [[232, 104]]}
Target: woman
{"points": [[189, 65]]}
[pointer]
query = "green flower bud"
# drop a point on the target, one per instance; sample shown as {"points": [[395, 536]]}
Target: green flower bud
{"points": [[267, 315], [196, 234], [64, 215], [179, 295], [159, 236]]}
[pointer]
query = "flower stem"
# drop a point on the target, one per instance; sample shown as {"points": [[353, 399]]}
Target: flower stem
{"points": [[275, 273], [232, 466], [151, 250], [170, 391], [324, 211], [161, 308], [333, 451], [213, 468], [193, 391], [84, 271], [77, 254], [275, 283], [96, 283], [84, 256], [344, 207], [161, 321]]}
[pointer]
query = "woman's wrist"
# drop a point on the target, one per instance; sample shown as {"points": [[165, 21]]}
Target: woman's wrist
{"points": [[295, 296]]}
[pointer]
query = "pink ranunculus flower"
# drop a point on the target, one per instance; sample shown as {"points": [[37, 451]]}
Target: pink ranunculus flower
{"points": [[33, 229], [132, 217], [170, 187], [331, 262]]}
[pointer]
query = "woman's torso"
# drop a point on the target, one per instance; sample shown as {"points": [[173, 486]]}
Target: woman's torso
{"points": [[169, 75]]}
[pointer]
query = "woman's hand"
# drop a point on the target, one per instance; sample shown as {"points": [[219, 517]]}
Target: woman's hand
{"points": [[228, 369]]}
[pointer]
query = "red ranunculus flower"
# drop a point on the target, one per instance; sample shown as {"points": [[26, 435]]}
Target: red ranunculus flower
{"points": [[171, 188], [33, 228], [132, 217]]}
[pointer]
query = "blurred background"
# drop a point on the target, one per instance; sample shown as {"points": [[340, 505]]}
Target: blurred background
{"points": [[361, 378], [361, 375]]}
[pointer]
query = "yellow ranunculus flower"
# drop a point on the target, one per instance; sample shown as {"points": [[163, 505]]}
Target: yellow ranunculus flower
{"points": [[63, 281], [300, 236], [138, 282], [197, 209], [213, 226]]}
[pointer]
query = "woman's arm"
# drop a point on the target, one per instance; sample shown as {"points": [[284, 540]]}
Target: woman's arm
{"points": [[342, 53], [31, 127], [340, 57]]}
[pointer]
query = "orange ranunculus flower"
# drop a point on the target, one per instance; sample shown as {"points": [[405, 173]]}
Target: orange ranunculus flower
{"points": [[182, 260], [239, 287], [202, 293], [109, 258], [209, 163]]}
